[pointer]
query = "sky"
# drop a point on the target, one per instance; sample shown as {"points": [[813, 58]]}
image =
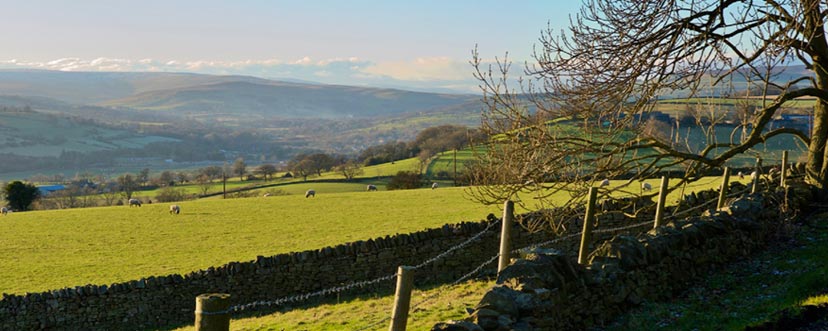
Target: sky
{"points": [[421, 45]]}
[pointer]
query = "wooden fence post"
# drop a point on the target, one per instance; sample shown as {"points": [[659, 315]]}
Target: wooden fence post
{"points": [[506, 235], [783, 172], [211, 312], [723, 189], [758, 171], [662, 198], [588, 220], [402, 298]]}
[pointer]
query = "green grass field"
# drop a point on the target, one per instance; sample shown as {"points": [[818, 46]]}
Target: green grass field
{"points": [[436, 304], [445, 162], [61, 248]]}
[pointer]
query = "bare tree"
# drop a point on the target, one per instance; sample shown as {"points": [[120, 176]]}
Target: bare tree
{"points": [[204, 183], [604, 74], [302, 168], [109, 192], [266, 170], [240, 168], [350, 169], [127, 184]]}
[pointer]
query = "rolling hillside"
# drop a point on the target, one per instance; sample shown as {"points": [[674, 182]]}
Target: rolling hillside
{"points": [[287, 100]]}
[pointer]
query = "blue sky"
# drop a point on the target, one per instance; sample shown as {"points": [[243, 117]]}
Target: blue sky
{"points": [[416, 44]]}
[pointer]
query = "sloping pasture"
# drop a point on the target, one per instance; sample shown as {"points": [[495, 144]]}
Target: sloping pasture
{"points": [[43, 250]]}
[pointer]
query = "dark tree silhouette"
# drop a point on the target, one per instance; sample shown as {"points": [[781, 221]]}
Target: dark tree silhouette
{"points": [[21, 195]]}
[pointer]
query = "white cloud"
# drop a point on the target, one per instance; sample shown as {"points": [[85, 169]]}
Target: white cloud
{"points": [[422, 69], [422, 74], [303, 61]]}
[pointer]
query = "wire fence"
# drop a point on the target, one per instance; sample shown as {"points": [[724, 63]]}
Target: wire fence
{"points": [[337, 289], [435, 294]]}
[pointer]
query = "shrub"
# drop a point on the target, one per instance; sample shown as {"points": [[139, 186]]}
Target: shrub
{"points": [[169, 194], [405, 180]]}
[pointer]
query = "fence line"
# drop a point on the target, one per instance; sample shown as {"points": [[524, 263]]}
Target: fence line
{"points": [[305, 296], [361, 284]]}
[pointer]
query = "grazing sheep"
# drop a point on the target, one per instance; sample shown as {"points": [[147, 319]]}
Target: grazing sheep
{"points": [[266, 195], [134, 202], [371, 188], [4, 210], [433, 186], [646, 186], [175, 209], [310, 193], [605, 182], [741, 175]]}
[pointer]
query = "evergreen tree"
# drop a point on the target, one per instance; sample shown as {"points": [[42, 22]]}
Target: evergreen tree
{"points": [[21, 195]]}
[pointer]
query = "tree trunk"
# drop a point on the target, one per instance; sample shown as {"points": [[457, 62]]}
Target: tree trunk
{"points": [[817, 162]]}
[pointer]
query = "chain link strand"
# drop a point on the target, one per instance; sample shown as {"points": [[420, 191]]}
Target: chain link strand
{"points": [[305, 296]]}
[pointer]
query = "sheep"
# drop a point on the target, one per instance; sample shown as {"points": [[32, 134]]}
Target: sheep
{"points": [[605, 182], [371, 188], [175, 209], [646, 186], [134, 202], [266, 195], [310, 193], [433, 186], [4, 210], [741, 175]]}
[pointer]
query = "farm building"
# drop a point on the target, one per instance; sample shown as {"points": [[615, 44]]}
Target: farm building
{"points": [[47, 189]]}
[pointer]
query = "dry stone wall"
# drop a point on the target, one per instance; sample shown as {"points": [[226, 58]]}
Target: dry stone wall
{"points": [[548, 290]]}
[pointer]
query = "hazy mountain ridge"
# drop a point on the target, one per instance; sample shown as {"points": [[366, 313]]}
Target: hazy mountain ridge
{"points": [[287, 100], [198, 93]]}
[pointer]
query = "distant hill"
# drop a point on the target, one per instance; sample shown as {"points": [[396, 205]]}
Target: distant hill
{"points": [[83, 88], [287, 100], [199, 94]]}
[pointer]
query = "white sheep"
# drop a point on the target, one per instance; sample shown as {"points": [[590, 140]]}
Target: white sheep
{"points": [[741, 175], [371, 188], [175, 209], [646, 186], [266, 195], [605, 182], [433, 186], [5, 211], [134, 202], [310, 193]]}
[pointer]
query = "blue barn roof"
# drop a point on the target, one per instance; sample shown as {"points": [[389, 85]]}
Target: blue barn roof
{"points": [[46, 189]]}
